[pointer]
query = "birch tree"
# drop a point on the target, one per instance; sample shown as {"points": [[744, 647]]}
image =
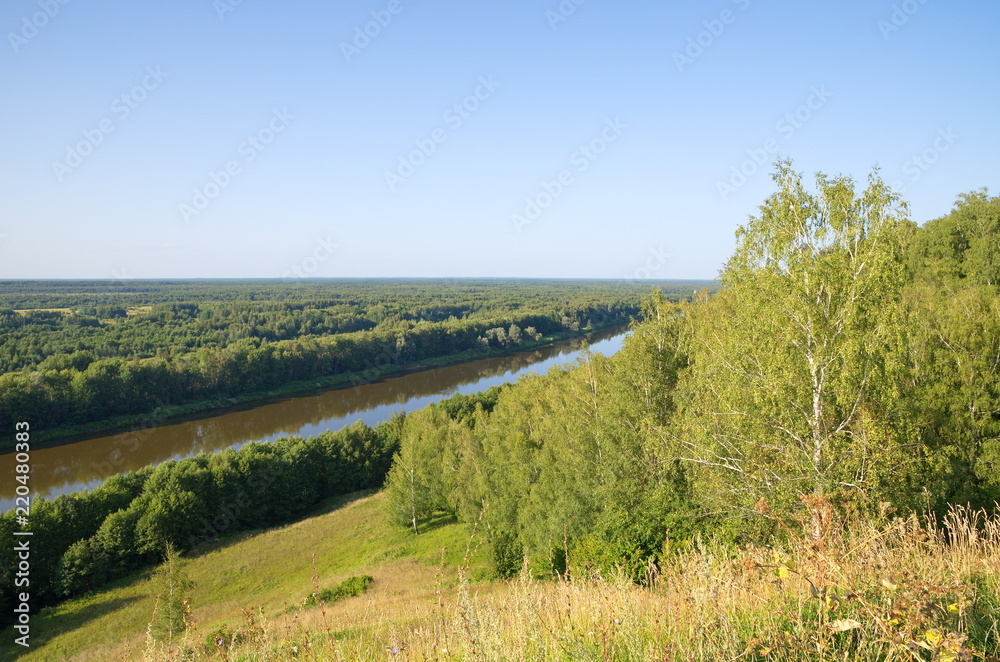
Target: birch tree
{"points": [[171, 588], [795, 361], [415, 481]]}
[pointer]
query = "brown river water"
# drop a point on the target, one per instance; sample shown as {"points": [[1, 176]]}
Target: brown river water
{"points": [[86, 464]]}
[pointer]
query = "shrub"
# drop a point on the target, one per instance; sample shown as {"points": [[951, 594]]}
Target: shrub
{"points": [[346, 589]]}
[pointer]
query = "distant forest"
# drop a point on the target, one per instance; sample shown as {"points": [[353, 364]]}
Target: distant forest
{"points": [[79, 352]]}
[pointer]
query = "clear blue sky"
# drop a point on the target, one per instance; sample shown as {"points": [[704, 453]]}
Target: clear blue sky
{"points": [[116, 115]]}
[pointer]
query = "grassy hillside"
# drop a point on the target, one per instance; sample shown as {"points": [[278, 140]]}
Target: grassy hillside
{"points": [[266, 573], [897, 591]]}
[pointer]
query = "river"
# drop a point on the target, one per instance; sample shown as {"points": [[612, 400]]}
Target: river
{"points": [[86, 464]]}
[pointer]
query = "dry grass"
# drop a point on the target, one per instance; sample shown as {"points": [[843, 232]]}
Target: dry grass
{"points": [[895, 592]]}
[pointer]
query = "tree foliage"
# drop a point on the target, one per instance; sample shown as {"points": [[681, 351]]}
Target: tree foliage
{"points": [[171, 587], [796, 362], [848, 355]]}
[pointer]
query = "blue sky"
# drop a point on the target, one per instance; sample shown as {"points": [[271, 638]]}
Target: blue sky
{"points": [[222, 138]]}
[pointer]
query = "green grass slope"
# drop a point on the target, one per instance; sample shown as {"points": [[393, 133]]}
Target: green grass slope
{"points": [[265, 572]]}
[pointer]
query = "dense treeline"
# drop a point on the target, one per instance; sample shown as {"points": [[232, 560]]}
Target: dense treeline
{"points": [[159, 321], [96, 362], [83, 540], [850, 361], [406, 294]]}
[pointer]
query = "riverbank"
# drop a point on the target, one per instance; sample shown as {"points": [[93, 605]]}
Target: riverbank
{"points": [[190, 411]]}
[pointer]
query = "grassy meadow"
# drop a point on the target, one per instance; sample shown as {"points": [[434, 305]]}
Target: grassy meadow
{"points": [[266, 573]]}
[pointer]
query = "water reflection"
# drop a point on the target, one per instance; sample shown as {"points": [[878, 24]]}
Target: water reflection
{"points": [[85, 464]]}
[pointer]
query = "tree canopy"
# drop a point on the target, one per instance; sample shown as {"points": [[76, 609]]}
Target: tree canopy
{"points": [[849, 357]]}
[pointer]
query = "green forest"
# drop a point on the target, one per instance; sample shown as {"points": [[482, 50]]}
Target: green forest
{"points": [[77, 355], [849, 358]]}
